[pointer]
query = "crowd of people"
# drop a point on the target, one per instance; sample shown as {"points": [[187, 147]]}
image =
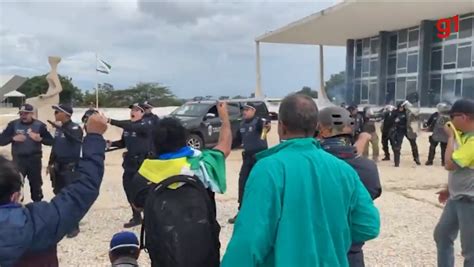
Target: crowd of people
{"points": [[307, 201]]}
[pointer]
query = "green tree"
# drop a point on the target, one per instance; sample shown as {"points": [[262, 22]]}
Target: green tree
{"points": [[335, 86], [306, 90], [37, 85]]}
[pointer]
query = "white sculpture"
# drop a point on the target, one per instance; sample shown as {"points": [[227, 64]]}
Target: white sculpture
{"points": [[43, 102]]}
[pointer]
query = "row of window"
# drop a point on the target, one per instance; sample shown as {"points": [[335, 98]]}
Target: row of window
{"points": [[452, 56], [466, 30], [447, 87]]}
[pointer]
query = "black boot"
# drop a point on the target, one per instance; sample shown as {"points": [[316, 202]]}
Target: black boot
{"points": [[386, 158], [232, 220], [135, 220], [431, 155], [74, 232], [396, 159], [417, 161]]}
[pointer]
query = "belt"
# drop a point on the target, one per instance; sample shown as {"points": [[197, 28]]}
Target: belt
{"points": [[469, 199]]}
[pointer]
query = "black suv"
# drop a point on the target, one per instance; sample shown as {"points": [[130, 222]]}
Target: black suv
{"points": [[202, 121]]}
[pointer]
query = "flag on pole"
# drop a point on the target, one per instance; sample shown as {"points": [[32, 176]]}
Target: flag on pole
{"points": [[103, 66]]}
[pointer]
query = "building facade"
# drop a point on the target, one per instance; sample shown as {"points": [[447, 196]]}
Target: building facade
{"points": [[394, 66]]}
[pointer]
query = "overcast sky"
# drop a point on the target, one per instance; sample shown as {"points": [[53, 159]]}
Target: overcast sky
{"points": [[194, 47]]}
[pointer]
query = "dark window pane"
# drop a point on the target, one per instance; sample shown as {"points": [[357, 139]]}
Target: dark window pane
{"points": [[449, 54], [374, 46], [402, 60], [373, 93], [357, 93], [449, 66], [359, 49], [358, 70], [402, 36], [411, 87], [393, 42], [392, 66], [434, 92], [413, 38], [436, 60], [366, 46], [457, 88], [448, 87], [412, 63], [365, 65], [402, 46], [390, 93], [465, 28], [400, 88], [464, 57], [365, 91], [468, 86], [373, 67]]}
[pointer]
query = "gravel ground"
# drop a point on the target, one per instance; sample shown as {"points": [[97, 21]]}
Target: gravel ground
{"points": [[408, 208]]}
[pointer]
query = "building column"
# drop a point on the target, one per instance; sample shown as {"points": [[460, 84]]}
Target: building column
{"points": [[424, 61], [258, 87], [349, 90], [322, 90], [382, 67]]}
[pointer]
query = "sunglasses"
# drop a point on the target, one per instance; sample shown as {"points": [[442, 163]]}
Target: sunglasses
{"points": [[454, 115]]}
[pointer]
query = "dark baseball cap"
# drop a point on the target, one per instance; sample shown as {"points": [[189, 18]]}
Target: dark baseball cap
{"points": [[463, 106], [124, 240], [26, 108], [137, 105], [147, 105], [250, 105], [63, 108], [336, 117]]}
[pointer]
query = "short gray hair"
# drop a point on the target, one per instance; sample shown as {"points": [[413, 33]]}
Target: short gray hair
{"points": [[299, 113]]}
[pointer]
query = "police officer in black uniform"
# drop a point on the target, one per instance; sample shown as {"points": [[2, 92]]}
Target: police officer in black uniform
{"points": [[137, 139], [66, 151], [149, 116], [403, 121], [436, 124], [26, 135], [252, 135], [388, 126]]}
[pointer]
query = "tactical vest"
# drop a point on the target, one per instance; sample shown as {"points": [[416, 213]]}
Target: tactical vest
{"points": [[251, 138], [138, 143], [28, 147]]}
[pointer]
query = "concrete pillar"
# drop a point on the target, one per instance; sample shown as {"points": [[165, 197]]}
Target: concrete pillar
{"points": [[382, 71], [322, 91], [258, 88], [424, 60], [349, 91]]}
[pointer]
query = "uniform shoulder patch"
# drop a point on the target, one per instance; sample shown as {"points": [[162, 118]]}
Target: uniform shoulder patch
{"points": [[75, 127]]}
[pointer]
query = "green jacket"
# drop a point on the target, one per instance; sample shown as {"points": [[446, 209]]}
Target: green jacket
{"points": [[301, 207]]}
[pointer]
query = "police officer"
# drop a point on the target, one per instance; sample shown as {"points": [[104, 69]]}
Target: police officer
{"points": [[66, 152], [388, 126], [252, 135], [403, 121], [26, 135], [136, 138], [358, 120], [149, 116], [368, 126], [436, 124]]}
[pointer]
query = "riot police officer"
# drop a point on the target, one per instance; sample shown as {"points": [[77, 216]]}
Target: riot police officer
{"points": [[252, 135], [403, 121], [66, 151], [137, 139], [436, 124], [388, 126], [26, 135]]}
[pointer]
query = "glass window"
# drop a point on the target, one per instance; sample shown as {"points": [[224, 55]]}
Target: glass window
{"points": [[449, 53], [468, 85], [400, 88], [448, 87], [412, 63], [392, 66], [357, 93], [366, 46], [436, 60], [373, 93], [457, 88], [411, 86], [390, 93], [402, 36], [464, 57], [359, 48], [393, 42], [374, 43], [402, 60], [434, 92], [465, 28], [373, 67], [413, 38], [358, 70], [365, 90], [365, 65]]}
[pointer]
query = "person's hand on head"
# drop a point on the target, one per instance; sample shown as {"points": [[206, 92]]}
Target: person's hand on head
{"points": [[19, 138], [222, 110], [97, 124]]}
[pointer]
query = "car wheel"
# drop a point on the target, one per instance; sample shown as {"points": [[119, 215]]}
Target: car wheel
{"points": [[195, 141]]}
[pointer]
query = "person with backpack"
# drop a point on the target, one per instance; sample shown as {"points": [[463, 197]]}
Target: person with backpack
{"points": [[403, 128], [29, 233], [302, 206], [176, 191], [335, 135]]}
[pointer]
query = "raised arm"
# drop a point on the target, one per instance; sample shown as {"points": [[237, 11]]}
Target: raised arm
{"points": [[6, 136], [127, 125], [46, 137], [225, 136]]}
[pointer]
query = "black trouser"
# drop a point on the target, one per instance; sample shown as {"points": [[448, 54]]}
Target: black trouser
{"points": [[130, 165], [356, 255], [385, 139], [397, 140], [432, 151], [247, 165], [64, 174], [30, 167]]}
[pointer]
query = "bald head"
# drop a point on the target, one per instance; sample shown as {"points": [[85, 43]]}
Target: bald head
{"points": [[298, 115]]}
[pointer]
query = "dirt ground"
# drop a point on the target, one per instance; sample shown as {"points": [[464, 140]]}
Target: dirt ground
{"points": [[408, 208]]}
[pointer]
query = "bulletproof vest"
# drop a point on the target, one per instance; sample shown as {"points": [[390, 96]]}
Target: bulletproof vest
{"points": [[251, 137], [401, 120], [388, 121], [28, 147], [439, 135], [137, 143], [65, 150]]}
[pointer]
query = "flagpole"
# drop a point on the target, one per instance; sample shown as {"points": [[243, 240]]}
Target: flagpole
{"points": [[96, 84]]}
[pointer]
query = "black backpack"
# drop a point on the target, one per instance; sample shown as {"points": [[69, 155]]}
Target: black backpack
{"points": [[179, 226]]}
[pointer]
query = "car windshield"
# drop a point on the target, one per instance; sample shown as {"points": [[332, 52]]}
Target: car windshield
{"points": [[191, 110]]}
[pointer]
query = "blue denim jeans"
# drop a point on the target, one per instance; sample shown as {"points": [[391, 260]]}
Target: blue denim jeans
{"points": [[457, 216]]}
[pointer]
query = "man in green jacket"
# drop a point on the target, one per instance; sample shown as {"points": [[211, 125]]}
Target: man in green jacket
{"points": [[302, 206]]}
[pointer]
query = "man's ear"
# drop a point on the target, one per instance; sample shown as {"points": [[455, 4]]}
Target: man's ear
{"points": [[15, 197]]}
